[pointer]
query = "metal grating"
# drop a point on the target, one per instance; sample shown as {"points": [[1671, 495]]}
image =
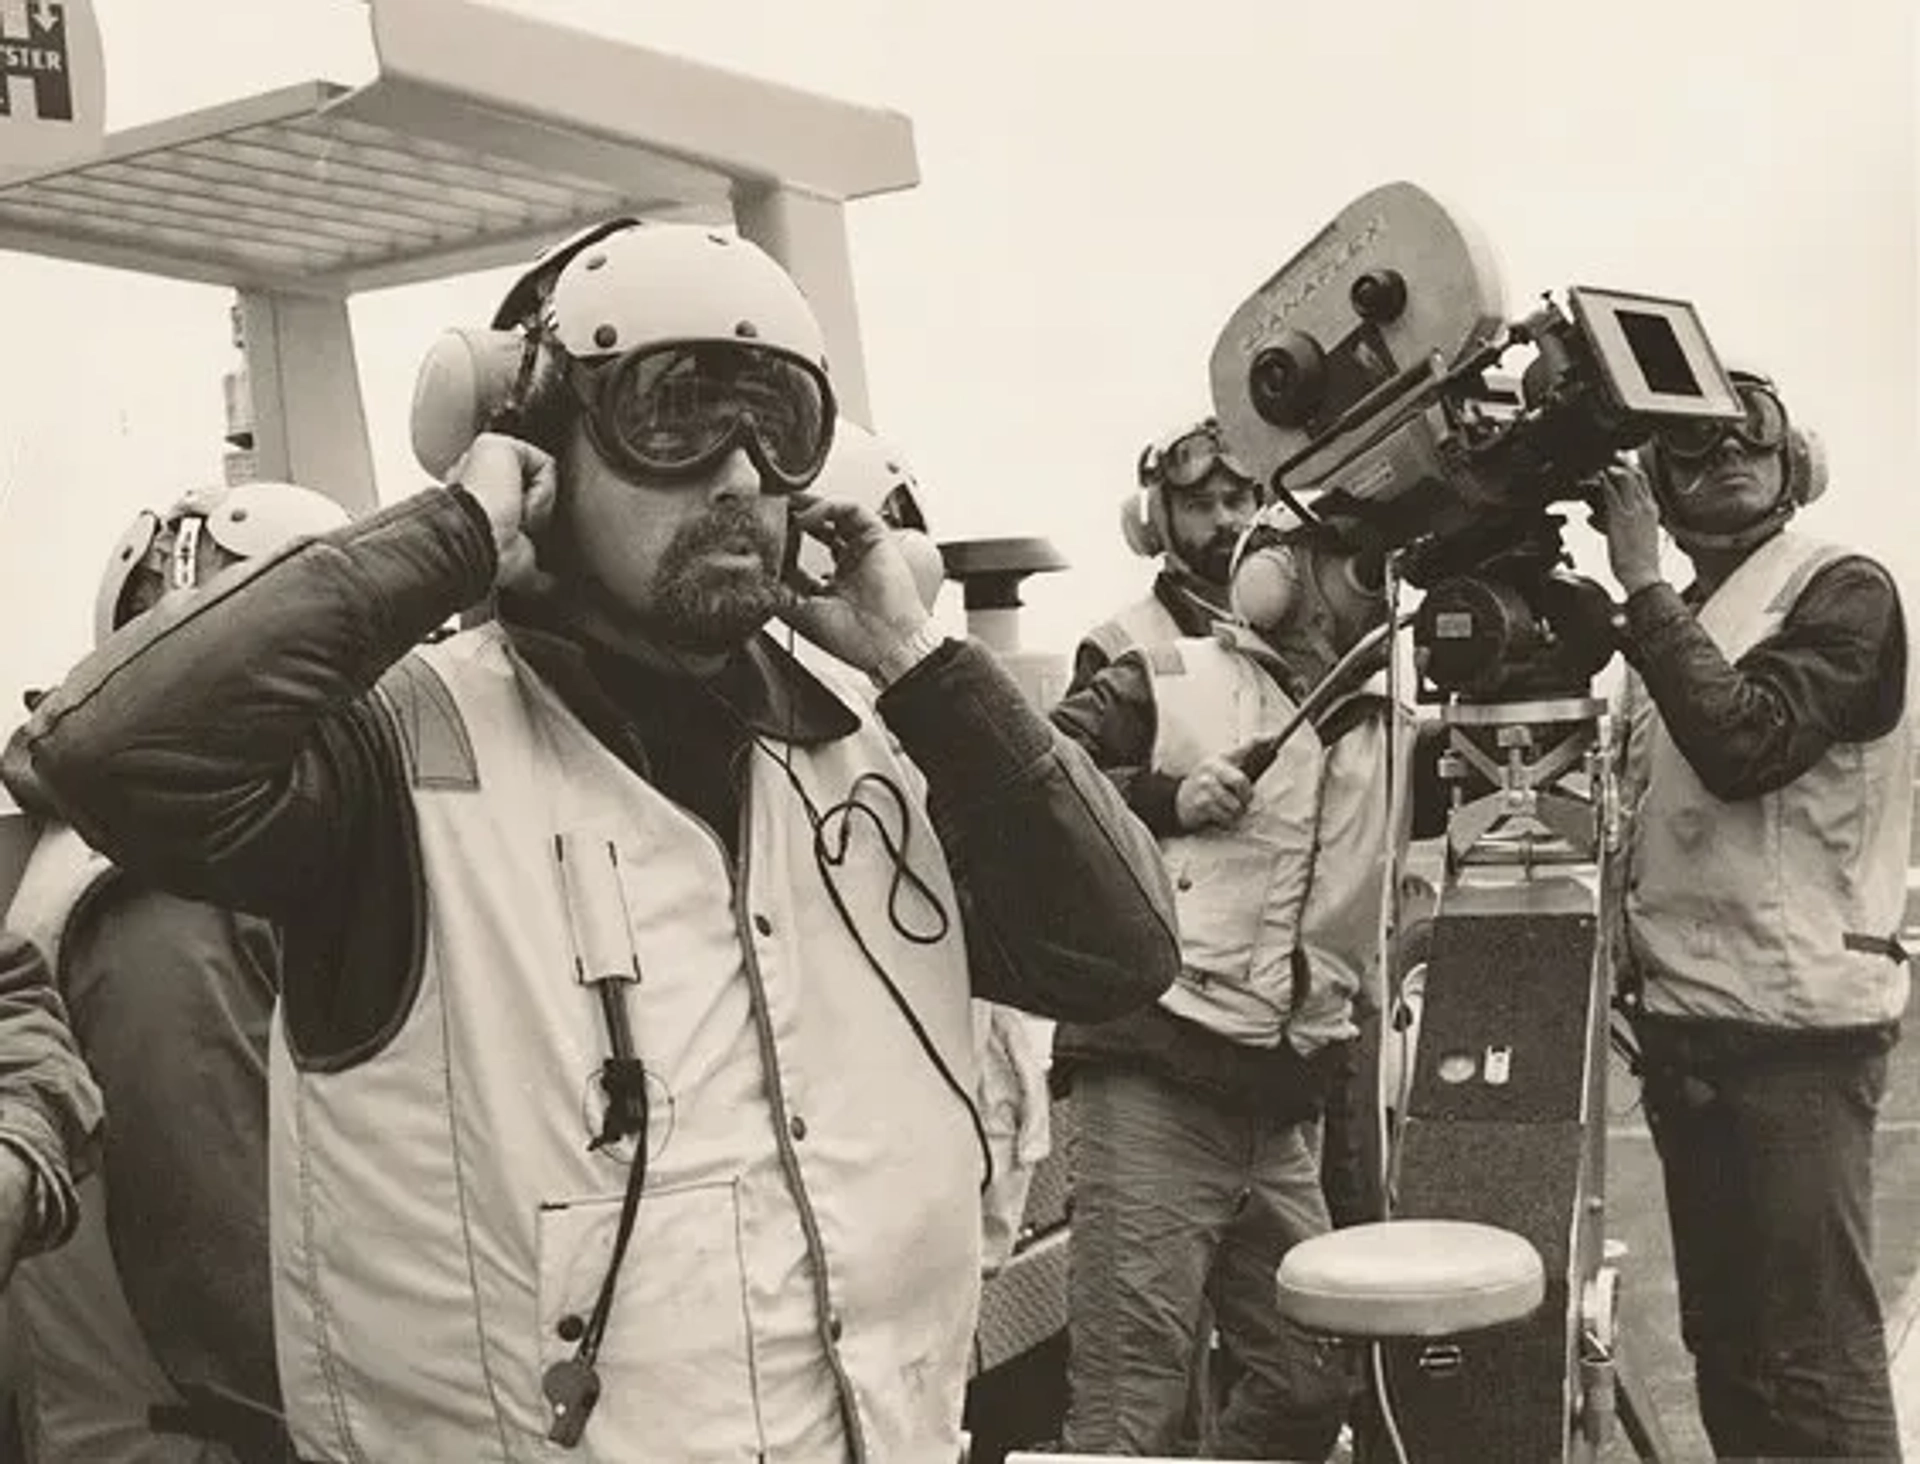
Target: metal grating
{"points": [[292, 190], [1023, 1304]]}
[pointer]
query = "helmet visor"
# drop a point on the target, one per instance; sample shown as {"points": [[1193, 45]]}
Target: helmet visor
{"points": [[676, 410], [1763, 429]]}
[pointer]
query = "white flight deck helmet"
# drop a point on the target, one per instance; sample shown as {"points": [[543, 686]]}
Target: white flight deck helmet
{"points": [[866, 469], [605, 292], [240, 521]]}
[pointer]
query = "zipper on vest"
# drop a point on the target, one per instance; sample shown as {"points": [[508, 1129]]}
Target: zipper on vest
{"points": [[784, 1132]]}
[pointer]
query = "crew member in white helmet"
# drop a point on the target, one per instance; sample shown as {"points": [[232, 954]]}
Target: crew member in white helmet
{"points": [[151, 1332], [623, 1088], [1192, 503], [1769, 774]]}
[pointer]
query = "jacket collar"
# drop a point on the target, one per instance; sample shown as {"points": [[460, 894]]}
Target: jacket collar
{"points": [[766, 686], [1195, 606]]}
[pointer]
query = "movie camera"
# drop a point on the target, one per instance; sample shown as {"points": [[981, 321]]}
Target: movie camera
{"points": [[1376, 384], [1366, 382]]}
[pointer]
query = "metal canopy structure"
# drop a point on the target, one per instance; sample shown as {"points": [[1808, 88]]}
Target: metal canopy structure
{"points": [[293, 191], [485, 134]]}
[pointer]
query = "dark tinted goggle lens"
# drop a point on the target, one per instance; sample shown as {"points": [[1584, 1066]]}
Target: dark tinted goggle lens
{"points": [[677, 410], [1763, 429]]}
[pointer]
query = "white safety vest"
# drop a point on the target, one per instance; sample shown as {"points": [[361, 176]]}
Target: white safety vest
{"points": [[809, 1233], [94, 1377], [1146, 622], [1301, 867], [1773, 910]]}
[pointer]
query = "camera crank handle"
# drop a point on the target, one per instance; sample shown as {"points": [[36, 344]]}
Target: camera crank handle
{"points": [[1255, 757]]}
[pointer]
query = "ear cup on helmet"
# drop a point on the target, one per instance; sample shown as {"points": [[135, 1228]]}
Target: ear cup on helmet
{"points": [[468, 379], [1140, 524], [1806, 465]]}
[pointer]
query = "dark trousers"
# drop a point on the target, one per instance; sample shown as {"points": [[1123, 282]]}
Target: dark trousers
{"points": [[1180, 1205], [1767, 1148]]}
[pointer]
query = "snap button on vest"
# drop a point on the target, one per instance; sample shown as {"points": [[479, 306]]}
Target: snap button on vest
{"points": [[570, 1327], [797, 1126], [763, 925]]}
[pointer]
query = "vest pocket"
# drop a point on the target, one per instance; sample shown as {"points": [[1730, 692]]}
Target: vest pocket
{"points": [[675, 1365]]}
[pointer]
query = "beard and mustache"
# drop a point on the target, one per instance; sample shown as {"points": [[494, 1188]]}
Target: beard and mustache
{"points": [[695, 604], [707, 606], [1212, 558]]}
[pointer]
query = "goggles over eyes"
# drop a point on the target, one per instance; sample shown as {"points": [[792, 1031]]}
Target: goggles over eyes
{"points": [[675, 410], [1189, 459], [1763, 429]]}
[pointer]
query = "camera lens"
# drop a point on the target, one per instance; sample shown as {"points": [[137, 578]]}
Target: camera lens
{"points": [[1287, 380]]}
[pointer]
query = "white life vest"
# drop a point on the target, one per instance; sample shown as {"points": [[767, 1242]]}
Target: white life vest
{"points": [[1146, 622], [1300, 868], [1776, 910], [807, 1249], [94, 1377]]}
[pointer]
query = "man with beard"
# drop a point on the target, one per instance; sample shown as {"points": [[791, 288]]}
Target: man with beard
{"points": [[622, 1079], [1198, 1118], [1193, 502], [1769, 772]]}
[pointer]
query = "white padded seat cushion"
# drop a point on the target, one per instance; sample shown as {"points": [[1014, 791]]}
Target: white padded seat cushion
{"points": [[1411, 1278]]}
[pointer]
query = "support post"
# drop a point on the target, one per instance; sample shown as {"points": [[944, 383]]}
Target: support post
{"points": [[808, 236], [308, 423]]}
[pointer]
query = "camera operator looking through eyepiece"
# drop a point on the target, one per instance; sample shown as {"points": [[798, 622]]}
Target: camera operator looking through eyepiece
{"points": [[1768, 777]]}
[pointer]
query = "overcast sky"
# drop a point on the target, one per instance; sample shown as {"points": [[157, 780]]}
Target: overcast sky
{"points": [[1102, 185]]}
